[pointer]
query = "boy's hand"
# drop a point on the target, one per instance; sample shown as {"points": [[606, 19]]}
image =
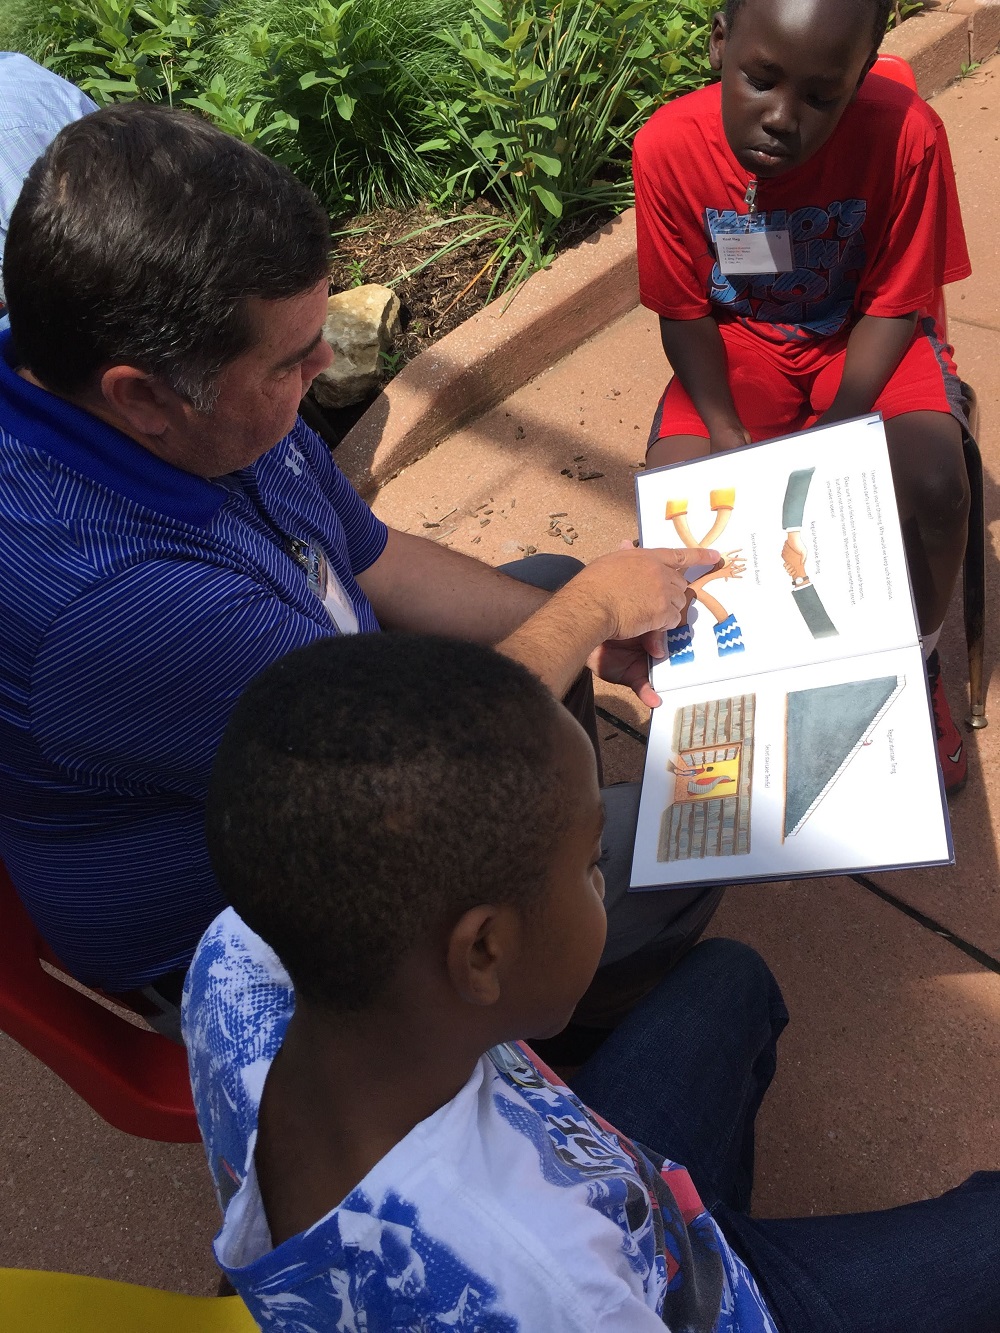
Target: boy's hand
{"points": [[695, 350], [733, 435]]}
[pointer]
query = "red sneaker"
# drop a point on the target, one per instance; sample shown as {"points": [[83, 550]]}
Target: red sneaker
{"points": [[950, 746]]}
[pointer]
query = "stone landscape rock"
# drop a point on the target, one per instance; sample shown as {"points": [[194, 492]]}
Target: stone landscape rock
{"points": [[360, 324]]}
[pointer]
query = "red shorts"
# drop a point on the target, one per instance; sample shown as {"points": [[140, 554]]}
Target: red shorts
{"points": [[775, 396]]}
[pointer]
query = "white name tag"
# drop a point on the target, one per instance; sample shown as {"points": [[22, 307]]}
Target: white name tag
{"points": [[328, 588], [754, 251]]}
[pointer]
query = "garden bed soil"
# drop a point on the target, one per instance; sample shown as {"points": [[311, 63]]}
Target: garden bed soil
{"points": [[386, 247]]}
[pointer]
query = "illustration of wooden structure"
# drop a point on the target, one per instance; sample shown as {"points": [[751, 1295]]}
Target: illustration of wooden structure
{"points": [[709, 814]]}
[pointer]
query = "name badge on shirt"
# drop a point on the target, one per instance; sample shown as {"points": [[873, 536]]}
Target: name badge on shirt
{"points": [[754, 247], [328, 588]]}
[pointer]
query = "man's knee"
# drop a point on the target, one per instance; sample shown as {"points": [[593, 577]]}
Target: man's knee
{"points": [[547, 570]]}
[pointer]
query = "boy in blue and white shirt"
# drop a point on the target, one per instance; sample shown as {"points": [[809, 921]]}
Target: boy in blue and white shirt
{"points": [[388, 1154]]}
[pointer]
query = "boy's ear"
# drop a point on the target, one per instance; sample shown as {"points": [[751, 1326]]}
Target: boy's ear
{"points": [[717, 40], [479, 945], [867, 69]]}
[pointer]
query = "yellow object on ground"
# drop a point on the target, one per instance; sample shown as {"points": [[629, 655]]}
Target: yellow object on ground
{"points": [[36, 1302]]}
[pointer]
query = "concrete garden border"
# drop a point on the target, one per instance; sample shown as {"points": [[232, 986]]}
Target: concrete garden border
{"points": [[503, 346]]}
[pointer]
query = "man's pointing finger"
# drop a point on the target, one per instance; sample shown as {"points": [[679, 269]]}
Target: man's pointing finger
{"points": [[689, 557]]}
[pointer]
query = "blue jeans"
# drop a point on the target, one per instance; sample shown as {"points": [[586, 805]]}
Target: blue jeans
{"points": [[685, 1073]]}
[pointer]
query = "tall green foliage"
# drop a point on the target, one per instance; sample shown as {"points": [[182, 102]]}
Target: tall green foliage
{"points": [[530, 104], [353, 78], [542, 118], [334, 90]]}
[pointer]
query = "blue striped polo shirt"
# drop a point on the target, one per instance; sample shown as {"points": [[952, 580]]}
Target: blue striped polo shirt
{"points": [[137, 601]]}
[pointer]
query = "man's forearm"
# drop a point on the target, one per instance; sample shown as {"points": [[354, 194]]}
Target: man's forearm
{"points": [[421, 587], [874, 350], [556, 642]]}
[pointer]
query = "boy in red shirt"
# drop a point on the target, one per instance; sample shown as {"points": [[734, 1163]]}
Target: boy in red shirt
{"points": [[844, 184]]}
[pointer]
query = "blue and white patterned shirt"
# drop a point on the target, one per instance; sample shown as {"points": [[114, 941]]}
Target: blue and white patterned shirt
{"points": [[512, 1207], [137, 602], [34, 106]]}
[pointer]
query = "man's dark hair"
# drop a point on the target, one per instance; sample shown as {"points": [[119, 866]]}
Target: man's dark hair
{"points": [[880, 10], [368, 790], [139, 237]]}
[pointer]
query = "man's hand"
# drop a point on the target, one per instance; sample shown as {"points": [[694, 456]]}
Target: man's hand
{"points": [[793, 556], [626, 663], [647, 593], [644, 592], [623, 603]]}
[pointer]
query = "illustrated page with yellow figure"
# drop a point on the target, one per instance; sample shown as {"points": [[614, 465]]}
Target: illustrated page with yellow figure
{"points": [[795, 736]]}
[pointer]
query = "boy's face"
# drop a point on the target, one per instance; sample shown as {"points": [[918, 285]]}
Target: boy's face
{"points": [[789, 70], [564, 936]]}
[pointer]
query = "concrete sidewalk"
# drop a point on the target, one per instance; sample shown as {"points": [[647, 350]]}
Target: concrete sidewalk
{"points": [[886, 1088]]}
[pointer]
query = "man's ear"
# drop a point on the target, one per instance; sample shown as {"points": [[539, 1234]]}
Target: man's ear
{"points": [[717, 40], [478, 946], [142, 402]]}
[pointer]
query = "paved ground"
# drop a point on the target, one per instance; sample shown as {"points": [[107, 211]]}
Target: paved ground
{"points": [[887, 1084]]}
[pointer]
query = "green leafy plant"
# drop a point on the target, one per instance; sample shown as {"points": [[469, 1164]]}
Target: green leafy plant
{"points": [[542, 122], [390, 363], [353, 77], [120, 50], [528, 105], [902, 10]]}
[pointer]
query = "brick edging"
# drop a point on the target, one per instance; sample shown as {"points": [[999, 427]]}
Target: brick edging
{"points": [[938, 42]]}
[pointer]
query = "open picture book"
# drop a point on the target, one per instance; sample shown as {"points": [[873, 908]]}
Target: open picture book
{"points": [[795, 736]]}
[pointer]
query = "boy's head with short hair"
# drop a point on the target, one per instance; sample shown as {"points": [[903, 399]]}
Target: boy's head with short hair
{"points": [[414, 821], [790, 68]]}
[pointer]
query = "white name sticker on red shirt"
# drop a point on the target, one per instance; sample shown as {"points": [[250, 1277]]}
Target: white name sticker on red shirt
{"points": [[762, 251]]}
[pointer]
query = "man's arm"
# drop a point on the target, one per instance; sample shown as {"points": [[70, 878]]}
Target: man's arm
{"points": [[874, 350], [419, 586], [612, 616], [697, 355]]}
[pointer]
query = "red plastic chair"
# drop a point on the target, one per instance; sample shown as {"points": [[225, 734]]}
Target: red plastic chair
{"points": [[974, 563], [134, 1079]]}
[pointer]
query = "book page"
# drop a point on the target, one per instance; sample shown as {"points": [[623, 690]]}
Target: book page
{"points": [[820, 770], [815, 568]]}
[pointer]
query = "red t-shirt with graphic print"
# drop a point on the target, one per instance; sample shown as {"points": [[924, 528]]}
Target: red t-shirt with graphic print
{"points": [[873, 218]]}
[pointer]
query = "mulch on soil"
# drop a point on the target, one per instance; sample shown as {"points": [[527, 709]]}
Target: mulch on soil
{"points": [[386, 247]]}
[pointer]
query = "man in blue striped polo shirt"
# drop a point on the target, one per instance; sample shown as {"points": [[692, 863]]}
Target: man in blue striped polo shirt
{"points": [[168, 528]]}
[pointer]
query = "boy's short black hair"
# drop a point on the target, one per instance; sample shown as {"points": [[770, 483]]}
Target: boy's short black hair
{"points": [[371, 788], [881, 9], [139, 236]]}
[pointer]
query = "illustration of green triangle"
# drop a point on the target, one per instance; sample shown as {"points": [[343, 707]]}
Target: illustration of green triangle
{"points": [[826, 728]]}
